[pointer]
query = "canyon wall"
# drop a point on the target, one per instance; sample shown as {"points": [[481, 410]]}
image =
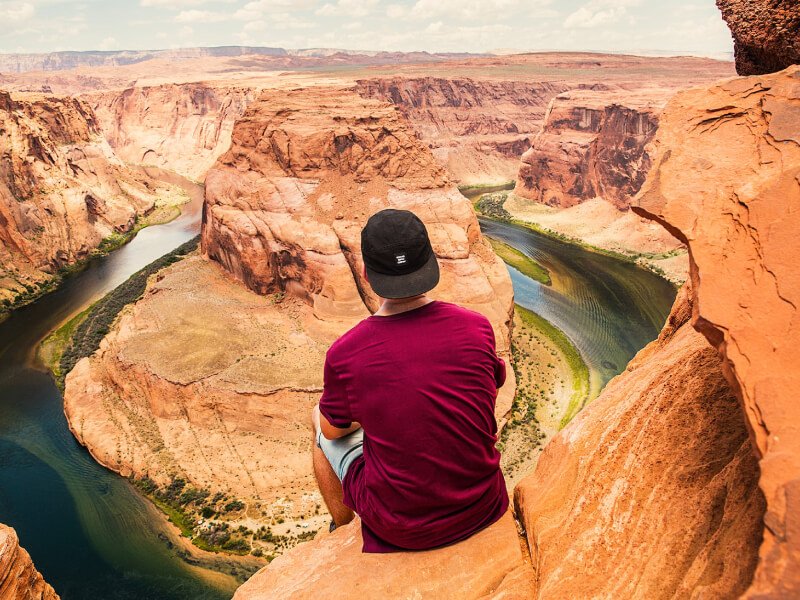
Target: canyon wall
{"points": [[592, 144], [766, 34], [181, 127], [477, 129], [727, 182], [19, 579], [212, 375], [62, 189]]}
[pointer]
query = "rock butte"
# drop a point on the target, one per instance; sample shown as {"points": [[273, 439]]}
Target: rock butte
{"points": [[19, 579], [163, 396], [62, 188]]}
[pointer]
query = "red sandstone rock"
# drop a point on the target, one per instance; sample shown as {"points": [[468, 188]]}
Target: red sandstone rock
{"points": [[306, 169], [766, 34], [19, 579], [727, 182], [593, 144], [652, 490], [180, 127], [62, 189], [489, 565]]}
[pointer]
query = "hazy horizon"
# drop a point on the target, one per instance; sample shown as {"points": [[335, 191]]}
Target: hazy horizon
{"points": [[688, 27]]}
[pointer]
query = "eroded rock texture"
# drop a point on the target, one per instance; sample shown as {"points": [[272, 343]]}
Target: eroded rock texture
{"points": [[477, 129], [19, 579], [182, 127], [727, 182], [652, 491], [592, 144], [62, 189], [489, 565], [766, 34]]}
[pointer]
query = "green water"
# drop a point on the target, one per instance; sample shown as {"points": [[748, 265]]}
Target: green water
{"points": [[88, 531], [609, 308]]}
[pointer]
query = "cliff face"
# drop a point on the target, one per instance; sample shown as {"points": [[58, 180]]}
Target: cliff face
{"points": [[592, 144], [212, 381], [62, 189], [19, 579], [727, 182], [652, 491], [179, 127], [476, 129], [766, 34]]}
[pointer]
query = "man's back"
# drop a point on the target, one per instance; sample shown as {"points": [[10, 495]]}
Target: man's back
{"points": [[422, 384]]}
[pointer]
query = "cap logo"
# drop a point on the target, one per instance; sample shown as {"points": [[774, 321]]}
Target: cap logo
{"points": [[400, 258]]}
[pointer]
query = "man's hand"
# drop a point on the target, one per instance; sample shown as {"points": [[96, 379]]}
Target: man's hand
{"points": [[332, 432]]}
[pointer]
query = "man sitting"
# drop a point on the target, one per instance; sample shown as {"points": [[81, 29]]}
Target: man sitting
{"points": [[405, 430]]}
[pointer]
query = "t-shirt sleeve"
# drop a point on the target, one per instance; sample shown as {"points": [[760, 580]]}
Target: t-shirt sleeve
{"points": [[499, 371], [334, 404]]}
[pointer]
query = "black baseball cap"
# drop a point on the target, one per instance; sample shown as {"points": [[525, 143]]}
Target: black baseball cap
{"points": [[398, 254]]}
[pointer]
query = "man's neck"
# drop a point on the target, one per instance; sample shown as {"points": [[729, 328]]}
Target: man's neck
{"points": [[394, 306]]}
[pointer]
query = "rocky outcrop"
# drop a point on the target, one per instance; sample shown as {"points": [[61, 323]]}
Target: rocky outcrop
{"points": [[766, 34], [592, 144], [179, 127], [211, 376], [477, 129], [285, 206], [489, 565], [62, 189], [727, 182], [19, 579], [652, 490]]}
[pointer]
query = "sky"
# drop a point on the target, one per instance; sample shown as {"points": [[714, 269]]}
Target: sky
{"points": [[635, 26]]}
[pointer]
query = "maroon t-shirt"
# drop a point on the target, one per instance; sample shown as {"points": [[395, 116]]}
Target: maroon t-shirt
{"points": [[423, 385]]}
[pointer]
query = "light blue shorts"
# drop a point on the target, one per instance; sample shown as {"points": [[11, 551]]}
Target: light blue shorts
{"points": [[343, 451]]}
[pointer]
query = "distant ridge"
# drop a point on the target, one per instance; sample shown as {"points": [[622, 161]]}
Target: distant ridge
{"points": [[60, 61]]}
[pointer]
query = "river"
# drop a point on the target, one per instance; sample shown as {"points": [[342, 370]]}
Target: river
{"points": [[88, 531], [93, 536]]}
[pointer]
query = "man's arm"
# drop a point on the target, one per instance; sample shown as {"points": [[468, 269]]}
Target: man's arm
{"points": [[332, 432]]}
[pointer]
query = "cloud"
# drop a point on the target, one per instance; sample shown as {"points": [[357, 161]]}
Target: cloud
{"points": [[465, 9], [348, 8], [178, 4], [16, 12], [201, 16], [108, 43], [599, 12]]}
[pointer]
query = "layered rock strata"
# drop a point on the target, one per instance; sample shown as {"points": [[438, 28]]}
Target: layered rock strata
{"points": [[476, 128], [593, 144], [62, 189], [727, 182], [211, 376], [19, 579], [179, 127], [766, 34]]}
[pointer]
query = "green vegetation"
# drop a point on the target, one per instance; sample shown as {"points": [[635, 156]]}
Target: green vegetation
{"points": [[87, 334], [52, 348], [469, 190], [521, 262], [491, 205], [580, 371]]}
